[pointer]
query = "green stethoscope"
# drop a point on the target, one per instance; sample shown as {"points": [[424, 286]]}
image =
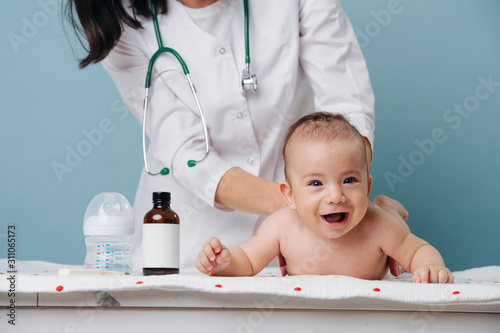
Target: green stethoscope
{"points": [[248, 82]]}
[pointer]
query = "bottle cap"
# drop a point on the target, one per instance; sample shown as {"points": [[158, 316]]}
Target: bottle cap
{"points": [[108, 214], [161, 196]]}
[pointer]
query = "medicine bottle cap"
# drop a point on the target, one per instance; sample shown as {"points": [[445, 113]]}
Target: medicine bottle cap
{"points": [[161, 196]]}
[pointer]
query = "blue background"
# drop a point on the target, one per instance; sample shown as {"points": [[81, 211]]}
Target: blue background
{"points": [[424, 58]]}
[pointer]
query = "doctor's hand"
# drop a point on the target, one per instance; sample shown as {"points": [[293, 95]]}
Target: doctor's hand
{"points": [[214, 258], [243, 191]]}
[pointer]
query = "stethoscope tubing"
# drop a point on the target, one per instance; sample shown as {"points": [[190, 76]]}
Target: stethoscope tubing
{"points": [[248, 81]]}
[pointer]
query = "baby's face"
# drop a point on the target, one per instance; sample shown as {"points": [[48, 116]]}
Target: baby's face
{"points": [[330, 185]]}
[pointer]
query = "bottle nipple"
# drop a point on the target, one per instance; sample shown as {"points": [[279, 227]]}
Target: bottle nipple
{"points": [[110, 206]]}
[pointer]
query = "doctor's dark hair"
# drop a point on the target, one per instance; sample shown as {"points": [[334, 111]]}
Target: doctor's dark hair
{"points": [[321, 126], [100, 22]]}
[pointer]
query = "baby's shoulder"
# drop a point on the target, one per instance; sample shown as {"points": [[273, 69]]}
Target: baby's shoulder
{"points": [[377, 217], [281, 220], [284, 216], [385, 225]]}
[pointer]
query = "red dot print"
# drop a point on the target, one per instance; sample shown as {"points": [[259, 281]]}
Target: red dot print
{"points": [[218, 286], [139, 282], [376, 289], [456, 292], [297, 289], [59, 288]]}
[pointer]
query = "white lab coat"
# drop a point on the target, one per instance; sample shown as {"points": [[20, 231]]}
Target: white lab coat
{"points": [[289, 42]]}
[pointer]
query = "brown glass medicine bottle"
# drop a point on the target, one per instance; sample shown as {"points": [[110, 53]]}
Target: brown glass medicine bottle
{"points": [[160, 238]]}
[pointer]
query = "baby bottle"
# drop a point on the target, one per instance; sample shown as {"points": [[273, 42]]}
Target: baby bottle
{"points": [[108, 227]]}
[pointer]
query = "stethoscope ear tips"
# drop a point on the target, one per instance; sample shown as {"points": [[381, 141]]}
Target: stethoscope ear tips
{"points": [[164, 171], [191, 163]]}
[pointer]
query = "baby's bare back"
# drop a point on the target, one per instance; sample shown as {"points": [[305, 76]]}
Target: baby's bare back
{"points": [[357, 253]]}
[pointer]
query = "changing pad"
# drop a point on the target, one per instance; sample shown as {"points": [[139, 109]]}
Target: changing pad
{"points": [[476, 286]]}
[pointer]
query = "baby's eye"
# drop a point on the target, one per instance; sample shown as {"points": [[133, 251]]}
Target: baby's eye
{"points": [[315, 183], [350, 180]]}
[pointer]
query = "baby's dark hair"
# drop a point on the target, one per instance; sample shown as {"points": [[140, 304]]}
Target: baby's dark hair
{"points": [[323, 126]]}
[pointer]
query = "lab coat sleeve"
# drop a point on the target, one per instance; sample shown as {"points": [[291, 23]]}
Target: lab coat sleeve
{"points": [[334, 64], [174, 129]]}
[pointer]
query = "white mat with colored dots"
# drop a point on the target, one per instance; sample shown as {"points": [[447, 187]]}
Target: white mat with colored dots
{"points": [[474, 286]]}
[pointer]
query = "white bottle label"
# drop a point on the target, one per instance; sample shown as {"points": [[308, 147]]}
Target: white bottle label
{"points": [[160, 245]]}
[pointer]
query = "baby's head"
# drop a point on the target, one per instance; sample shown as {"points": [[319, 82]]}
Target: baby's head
{"points": [[326, 170], [320, 126]]}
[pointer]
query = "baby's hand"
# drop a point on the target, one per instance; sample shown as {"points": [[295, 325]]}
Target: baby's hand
{"points": [[432, 274], [213, 258]]}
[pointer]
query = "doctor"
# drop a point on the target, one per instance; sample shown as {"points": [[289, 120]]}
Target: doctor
{"points": [[295, 45]]}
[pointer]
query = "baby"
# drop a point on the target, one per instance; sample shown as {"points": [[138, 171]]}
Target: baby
{"points": [[329, 226]]}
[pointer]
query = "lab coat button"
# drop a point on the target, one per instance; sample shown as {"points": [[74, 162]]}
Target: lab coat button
{"points": [[222, 50], [240, 115], [250, 161]]}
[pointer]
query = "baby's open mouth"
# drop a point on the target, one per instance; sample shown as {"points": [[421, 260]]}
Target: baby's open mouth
{"points": [[335, 217]]}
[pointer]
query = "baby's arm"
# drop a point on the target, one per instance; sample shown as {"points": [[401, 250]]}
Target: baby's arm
{"points": [[428, 266], [246, 259], [414, 254]]}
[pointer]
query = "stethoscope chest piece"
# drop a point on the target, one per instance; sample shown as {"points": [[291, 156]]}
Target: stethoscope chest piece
{"points": [[248, 82]]}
